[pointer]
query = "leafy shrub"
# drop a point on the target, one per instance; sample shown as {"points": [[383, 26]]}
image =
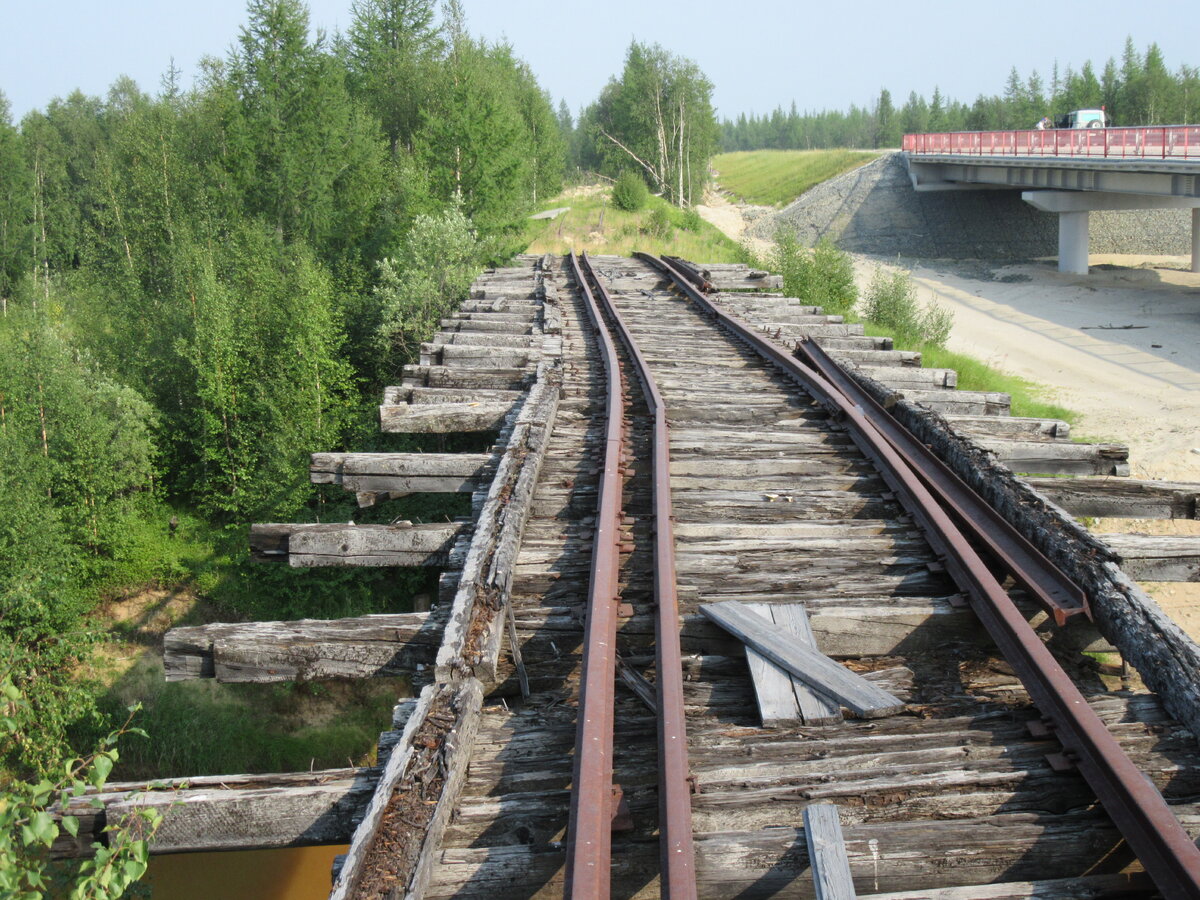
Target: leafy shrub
{"points": [[429, 273], [658, 223], [28, 830], [823, 276], [690, 220], [630, 192], [834, 288], [891, 302]]}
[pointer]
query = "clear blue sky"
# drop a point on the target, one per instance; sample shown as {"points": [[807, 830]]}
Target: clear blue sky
{"points": [[758, 53]]}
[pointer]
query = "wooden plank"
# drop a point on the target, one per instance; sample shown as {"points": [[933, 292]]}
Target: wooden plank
{"points": [[443, 418], [974, 403], [827, 853], [1154, 557], [262, 652], [336, 465], [395, 395], [1089, 887], [855, 693], [230, 812], [1022, 427], [1060, 457], [354, 545], [782, 698], [1128, 498], [418, 376]]}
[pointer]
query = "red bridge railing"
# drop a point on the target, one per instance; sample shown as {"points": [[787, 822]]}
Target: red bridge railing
{"points": [[1149, 142]]}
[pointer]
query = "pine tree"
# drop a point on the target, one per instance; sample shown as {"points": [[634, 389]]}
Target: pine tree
{"points": [[390, 52], [887, 126]]}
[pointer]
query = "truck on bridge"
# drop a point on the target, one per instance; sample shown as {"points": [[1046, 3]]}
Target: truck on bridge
{"points": [[1083, 118]]}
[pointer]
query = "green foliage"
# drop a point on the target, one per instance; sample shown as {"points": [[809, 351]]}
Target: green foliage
{"points": [[689, 220], [270, 386], [823, 276], [658, 224], [310, 157], [630, 192], [657, 116], [891, 302], [180, 275], [390, 53], [29, 824], [430, 272], [76, 459], [15, 212]]}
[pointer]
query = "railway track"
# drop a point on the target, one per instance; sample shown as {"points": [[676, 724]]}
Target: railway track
{"points": [[764, 650], [774, 506]]}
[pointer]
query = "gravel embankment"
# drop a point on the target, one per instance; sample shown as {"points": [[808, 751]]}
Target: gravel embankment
{"points": [[874, 210]]}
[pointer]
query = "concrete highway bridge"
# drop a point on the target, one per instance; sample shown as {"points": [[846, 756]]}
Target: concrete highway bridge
{"points": [[1069, 172]]}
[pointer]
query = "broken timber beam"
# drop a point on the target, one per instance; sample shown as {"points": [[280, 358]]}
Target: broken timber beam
{"points": [[1157, 557], [229, 812], [1127, 498], [365, 647], [401, 544], [1060, 457], [410, 473], [442, 418]]}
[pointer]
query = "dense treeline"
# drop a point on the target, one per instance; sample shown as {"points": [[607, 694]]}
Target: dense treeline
{"points": [[1137, 90], [200, 287]]}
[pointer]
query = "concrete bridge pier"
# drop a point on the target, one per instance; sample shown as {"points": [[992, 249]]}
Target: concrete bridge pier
{"points": [[1196, 238], [1073, 208]]}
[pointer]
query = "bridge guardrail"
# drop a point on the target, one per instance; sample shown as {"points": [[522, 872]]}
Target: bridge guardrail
{"points": [[1146, 142]]}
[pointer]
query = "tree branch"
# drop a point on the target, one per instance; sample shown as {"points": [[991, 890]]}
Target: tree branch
{"points": [[657, 178]]}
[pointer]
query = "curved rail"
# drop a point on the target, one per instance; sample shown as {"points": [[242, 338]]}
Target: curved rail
{"points": [[1133, 803], [588, 849], [589, 837]]}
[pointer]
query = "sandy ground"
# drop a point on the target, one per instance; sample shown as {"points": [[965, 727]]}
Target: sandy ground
{"points": [[734, 218], [1120, 346]]}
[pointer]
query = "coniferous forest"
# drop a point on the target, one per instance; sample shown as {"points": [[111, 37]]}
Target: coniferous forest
{"points": [[1138, 89]]}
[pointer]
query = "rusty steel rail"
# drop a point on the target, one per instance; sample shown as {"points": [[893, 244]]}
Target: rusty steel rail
{"points": [[589, 830], [676, 852], [1130, 799], [986, 528]]}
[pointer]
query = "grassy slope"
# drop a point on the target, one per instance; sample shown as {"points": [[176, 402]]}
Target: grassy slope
{"points": [[777, 177], [592, 224]]}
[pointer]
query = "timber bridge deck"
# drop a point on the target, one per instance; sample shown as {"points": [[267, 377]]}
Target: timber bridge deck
{"points": [[775, 651]]}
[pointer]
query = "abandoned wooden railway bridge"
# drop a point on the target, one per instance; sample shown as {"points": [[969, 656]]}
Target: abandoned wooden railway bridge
{"points": [[745, 658]]}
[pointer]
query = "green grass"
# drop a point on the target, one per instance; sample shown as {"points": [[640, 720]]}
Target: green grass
{"points": [[594, 225], [205, 728], [777, 177]]}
